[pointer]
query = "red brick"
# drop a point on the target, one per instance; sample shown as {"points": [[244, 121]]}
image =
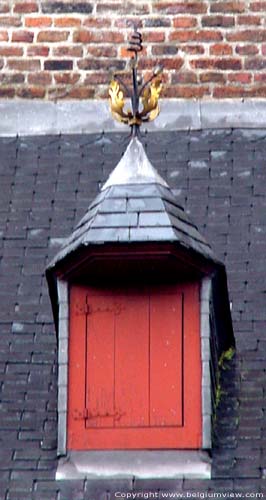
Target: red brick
{"points": [[175, 63], [197, 36], [249, 20], [123, 8], [125, 53], [82, 36], [125, 22], [249, 35], [230, 91], [147, 75], [259, 91], [168, 63], [40, 78], [184, 77], [156, 22], [196, 7], [52, 36], [9, 78], [107, 37], [72, 51], [10, 21], [260, 77], [101, 64], [3, 36], [25, 7], [164, 50], [212, 77], [38, 22], [5, 7], [242, 78], [228, 64], [231, 7], [185, 22], [102, 51], [22, 36], [221, 49], [247, 50], [38, 50], [8, 51], [65, 22], [97, 79], [255, 63], [24, 64], [193, 49], [31, 92], [7, 92], [153, 36], [222, 64], [66, 78], [263, 49], [187, 92], [257, 6], [58, 65], [219, 21], [225, 41], [92, 22], [81, 93], [86, 36]]}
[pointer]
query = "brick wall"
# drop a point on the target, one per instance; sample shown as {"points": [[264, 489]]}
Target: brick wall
{"points": [[62, 49]]}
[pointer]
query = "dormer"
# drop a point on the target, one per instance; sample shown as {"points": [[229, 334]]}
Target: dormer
{"points": [[142, 315]]}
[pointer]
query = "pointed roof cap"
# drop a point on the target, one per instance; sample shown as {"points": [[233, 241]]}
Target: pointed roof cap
{"points": [[135, 205], [134, 168]]}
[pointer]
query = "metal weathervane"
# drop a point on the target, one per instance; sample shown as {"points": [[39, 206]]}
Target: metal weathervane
{"points": [[148, 93]]}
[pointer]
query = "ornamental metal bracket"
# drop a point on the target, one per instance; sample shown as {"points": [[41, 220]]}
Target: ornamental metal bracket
{"points": [[148, 92]]}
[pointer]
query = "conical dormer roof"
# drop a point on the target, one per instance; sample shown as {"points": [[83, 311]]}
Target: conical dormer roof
{"points": [[135, 205]]}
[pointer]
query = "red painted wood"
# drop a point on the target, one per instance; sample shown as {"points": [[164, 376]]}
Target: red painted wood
{"points": [[133, 351], [100, 345], [166, 359], [77, 365], [132, 360], [192, 363]]}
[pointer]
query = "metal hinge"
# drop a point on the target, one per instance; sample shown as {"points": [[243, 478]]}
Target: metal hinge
{"points": [[87, 309], [82, 309], [80, 414], [116, 309], [86, 415]]}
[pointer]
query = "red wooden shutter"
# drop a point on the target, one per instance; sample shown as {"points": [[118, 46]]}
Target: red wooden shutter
{"points": [[134, 368]]}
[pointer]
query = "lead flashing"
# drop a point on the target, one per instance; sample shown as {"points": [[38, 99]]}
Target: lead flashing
{"points": [[62, 290], [187, 464], [205, 296], [39, 117]]}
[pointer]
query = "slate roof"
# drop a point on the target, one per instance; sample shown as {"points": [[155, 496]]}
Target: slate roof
{"points": [[135, 204], [47, 183]]}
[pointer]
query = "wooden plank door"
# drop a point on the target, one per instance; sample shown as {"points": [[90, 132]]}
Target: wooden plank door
{"points": [[138, 352]]}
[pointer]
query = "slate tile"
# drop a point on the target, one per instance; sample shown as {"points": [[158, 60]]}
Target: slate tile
{"points": [[42, 486], [106, 489], [224, 146], [194, 484], [18, 495], [157, 485], [70, 489]]}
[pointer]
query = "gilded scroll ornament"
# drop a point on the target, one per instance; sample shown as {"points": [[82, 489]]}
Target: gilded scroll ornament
{"points": [[148, 93]]}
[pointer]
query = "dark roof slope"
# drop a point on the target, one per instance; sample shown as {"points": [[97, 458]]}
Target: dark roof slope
{"points": [[219, 177]]}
